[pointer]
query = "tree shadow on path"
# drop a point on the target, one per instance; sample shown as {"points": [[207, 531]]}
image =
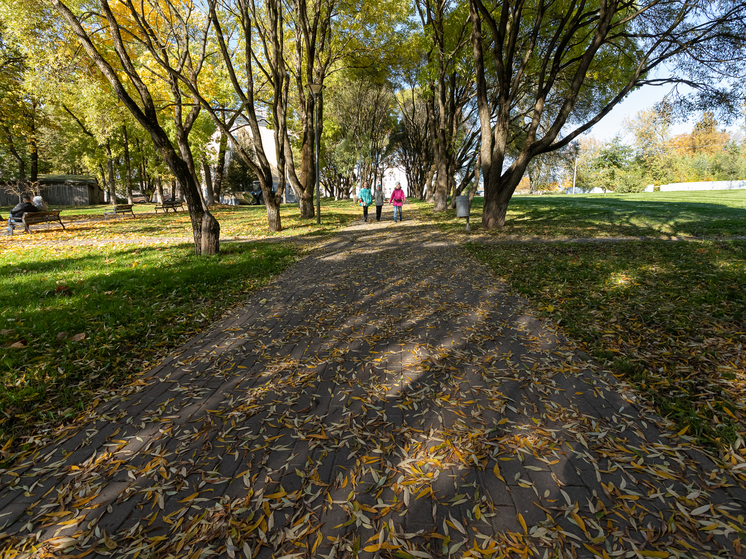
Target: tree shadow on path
{"points": [[388, 396]]}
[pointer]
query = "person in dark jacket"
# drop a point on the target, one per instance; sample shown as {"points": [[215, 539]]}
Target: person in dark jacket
{"points": [[24, 207]]}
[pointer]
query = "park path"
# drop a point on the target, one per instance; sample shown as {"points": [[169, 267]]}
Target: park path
{"points": [[386, 396]]}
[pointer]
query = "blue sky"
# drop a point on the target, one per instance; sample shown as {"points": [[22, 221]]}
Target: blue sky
{"points": [[643, 98]]}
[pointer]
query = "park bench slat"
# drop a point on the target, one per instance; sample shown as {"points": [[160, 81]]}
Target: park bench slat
{"points": [[165, 206], [118, 211], [34, 218]]}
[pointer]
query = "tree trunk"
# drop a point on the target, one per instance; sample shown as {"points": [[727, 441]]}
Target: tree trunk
{"points": [[220, 166], [127, 170], [273, 215], [103, 176], [209, 192], [205, 228], [34, 160], [15, 154], [440, 190], [477, 174], [33, 145], [456, 194], [159, 189], [173, 190], [306, 205], [110, 167], [141, 180], [308, 164], [497, 194], [210, 234]]}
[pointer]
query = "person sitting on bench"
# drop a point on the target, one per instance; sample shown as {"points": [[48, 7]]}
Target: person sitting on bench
{"points": [[24, 207], [40, 203]]}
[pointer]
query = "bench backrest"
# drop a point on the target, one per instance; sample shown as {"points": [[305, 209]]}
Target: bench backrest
{"points": [[31, 217], [123, 207]]}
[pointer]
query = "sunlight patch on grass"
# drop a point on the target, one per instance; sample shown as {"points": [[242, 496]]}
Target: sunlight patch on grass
{"points": [[666, 316], [78, 319]]}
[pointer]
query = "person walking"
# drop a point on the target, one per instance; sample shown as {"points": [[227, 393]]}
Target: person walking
{"points": [[379, 199], [366, 199], [397, 199]]}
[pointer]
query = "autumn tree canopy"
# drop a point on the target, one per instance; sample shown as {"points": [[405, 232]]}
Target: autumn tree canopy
{"points": [[468, 90]]}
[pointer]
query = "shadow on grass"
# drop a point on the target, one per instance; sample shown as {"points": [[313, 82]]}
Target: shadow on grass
{"points": [[576, 216], [355, 405], [667, 316], [131, 306]]}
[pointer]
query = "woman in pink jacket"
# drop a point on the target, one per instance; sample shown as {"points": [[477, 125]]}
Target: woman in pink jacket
{"points": [[397, 200]]}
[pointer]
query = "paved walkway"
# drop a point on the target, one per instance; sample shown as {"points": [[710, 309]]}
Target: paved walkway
{"points": [[386, 396]]}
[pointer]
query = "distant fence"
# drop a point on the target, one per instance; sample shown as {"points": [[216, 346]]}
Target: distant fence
{"points": [[8, 199], [62, 193], [703, 185]]}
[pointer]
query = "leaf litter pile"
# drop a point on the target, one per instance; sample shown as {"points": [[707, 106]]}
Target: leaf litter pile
{"points": [[385, 398]]}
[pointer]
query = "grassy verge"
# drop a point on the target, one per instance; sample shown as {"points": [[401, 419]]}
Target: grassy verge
{"points": [[75, 320], [655, 214], [667, 316], [236, 222]]}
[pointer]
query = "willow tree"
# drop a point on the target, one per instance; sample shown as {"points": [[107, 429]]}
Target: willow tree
{"points": [[251, 42], [21, 112], [329, 36], [548, 70], [449, 77], [115, 39]]}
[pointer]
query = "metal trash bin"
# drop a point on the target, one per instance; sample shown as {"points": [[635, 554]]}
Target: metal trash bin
{"points": [[462, 208]]}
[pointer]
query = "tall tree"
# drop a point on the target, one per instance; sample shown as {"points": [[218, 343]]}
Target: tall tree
{"points": [[413, 143], [256, 58], [21, 111], [331, 36], [150, 27], [451, 84], [651, 130], [543, 65]]}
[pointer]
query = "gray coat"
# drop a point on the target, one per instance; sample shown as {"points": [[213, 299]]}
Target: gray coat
{"points": [[378, 197]]}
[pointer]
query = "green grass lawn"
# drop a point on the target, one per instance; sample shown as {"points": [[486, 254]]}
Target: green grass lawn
{"points": [[236, 222], [75, 320], [655, 214], [667, 316]]}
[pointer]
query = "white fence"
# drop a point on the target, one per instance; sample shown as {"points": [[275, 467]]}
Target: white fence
{"points": [[704, 185]]}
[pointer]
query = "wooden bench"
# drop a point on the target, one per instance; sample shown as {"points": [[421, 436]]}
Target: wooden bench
{"points": [[165, 206], [33, 218], [118, 211]]}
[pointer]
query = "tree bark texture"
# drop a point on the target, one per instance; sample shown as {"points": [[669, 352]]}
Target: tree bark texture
{"points": [[220, 166], [209, 193], [127, 169], [159, 189], [110, 169]]}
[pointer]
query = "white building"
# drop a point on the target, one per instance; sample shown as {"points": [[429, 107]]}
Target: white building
{"points": [[391, 176], [242, 132]]}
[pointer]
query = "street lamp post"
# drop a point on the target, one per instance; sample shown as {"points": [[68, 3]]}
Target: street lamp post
{"points": [[316, 89]]}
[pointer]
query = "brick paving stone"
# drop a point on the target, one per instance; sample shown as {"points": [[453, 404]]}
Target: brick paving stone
{"points": [[412, 365]]}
